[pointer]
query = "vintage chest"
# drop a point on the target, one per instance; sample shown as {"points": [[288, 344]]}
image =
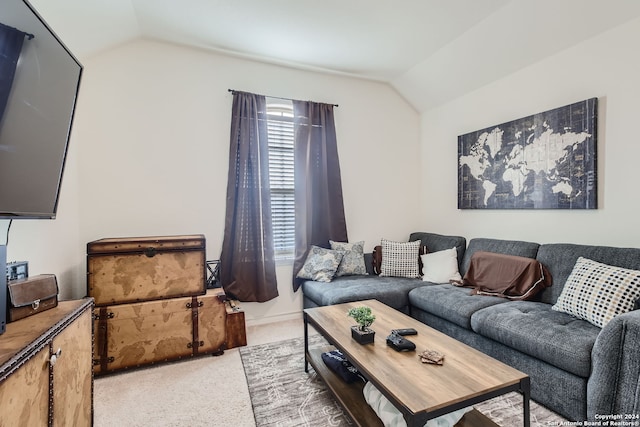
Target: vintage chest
{"points": [[126, 270], [138, 334]]}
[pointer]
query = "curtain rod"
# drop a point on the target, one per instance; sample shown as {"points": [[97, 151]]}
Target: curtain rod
{"points": [[276, 97]]}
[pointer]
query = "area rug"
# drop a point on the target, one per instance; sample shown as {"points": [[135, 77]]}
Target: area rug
{"points": [[283, 395]]}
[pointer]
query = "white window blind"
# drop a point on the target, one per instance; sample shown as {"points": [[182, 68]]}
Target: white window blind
{"points": [[280, 134]]}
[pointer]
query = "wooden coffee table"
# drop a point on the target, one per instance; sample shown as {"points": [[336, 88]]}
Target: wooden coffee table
{"points": [[420, 391]]}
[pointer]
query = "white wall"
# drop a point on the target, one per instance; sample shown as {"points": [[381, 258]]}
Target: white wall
{"points": [[149, 153], [154, 137], [606, 67]]}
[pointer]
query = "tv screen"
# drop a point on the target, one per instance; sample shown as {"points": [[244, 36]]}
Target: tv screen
{"points": [[39, 82]]}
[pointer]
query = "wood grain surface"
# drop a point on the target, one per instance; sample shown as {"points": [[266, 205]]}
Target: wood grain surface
{"points": [[135, 277], [25, 351], [153, 331], [133, 244], [466, 373], [24, 396], [72, 372], [31, 330]]}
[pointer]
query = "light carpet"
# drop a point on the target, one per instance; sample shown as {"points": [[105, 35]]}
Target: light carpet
{"points": [[215, 391], [284, 395], [206, 391]]}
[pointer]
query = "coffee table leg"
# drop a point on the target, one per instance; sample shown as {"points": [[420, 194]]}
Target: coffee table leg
{"points": [[525, 386], [306, 343]]}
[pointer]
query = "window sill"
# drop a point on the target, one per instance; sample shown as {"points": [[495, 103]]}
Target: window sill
{"points": [[284, 262]]}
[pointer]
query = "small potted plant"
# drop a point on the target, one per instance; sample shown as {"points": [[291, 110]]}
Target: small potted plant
{"points": [[361, 332]]}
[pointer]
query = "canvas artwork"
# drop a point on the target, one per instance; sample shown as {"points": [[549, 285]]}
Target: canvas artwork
{"points": [[544, 161]]}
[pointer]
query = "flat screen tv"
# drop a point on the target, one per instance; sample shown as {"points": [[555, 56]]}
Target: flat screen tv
{"points": [[39, 83]]}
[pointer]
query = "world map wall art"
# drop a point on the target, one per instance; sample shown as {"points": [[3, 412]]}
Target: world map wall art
{"points": [[544, 161]]}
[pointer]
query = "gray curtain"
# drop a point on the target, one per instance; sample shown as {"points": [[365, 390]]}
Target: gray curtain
{"points": [[318, 187], [247, 261], [11, 41]]}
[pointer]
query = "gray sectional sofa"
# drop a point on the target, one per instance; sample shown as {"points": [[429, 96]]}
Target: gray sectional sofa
{"points": [[577, 369]]}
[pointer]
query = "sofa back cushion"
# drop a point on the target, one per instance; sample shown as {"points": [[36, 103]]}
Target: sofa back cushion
{"points": [[506, 247], [560, 258], [437, 242], [507, 276]]}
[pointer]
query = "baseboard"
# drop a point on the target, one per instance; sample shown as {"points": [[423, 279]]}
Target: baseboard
{"points": [[274, 319]]}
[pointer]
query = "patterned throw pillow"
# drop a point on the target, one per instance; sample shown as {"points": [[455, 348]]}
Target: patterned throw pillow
{"points": [[598, 292], [353, 258], [321, 264], [400, 259]]}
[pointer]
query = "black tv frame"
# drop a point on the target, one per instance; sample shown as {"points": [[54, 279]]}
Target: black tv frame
{"points": [[51, 213]]}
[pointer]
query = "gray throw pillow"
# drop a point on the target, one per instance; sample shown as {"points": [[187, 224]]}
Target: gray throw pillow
{"points": [[321, 264], [353, 258]]}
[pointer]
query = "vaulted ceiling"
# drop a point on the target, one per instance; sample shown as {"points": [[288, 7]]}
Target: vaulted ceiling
{"points": [[431, 51]]}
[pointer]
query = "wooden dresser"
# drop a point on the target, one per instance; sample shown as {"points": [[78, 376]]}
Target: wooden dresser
{"points": [[46, 368]]}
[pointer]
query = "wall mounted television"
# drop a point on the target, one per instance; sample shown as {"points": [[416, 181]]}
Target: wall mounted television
{"points": [[39, 83]]}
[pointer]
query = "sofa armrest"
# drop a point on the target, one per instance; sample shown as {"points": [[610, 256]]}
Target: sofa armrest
{"points": [[614, 385]]}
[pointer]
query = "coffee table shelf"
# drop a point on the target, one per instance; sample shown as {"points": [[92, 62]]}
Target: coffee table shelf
{"points": [[348, 395], [351, 398], [419, 392]]}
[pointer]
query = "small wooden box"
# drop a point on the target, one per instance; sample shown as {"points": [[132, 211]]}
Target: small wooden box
{"points": [[138, 334], [236, 329], [31, 295], [127, 270]]}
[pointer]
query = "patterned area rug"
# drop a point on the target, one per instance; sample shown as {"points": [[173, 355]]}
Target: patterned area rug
{"points": [[283, 395]]}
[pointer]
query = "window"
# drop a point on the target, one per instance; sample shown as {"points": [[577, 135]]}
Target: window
{"points": [[280, 134]]}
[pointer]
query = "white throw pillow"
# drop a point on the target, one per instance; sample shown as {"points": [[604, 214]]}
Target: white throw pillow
{"points": [[441, 266], [400, 259], [598, 292]]}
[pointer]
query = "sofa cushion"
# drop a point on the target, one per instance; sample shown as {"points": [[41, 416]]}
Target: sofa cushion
{"points": [[535, 329], [598, 292], [506, 276], [438, 242], [451, 303], [392, 291], [506, 247], [560, 259]]}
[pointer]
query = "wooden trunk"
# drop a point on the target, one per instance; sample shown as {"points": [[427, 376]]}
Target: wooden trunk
{"points": [[236, 329], [138, 334], [126, 270]]}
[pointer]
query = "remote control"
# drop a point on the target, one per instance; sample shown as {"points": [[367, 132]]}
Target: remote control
{"points": [[398, 343], [405, 331]]}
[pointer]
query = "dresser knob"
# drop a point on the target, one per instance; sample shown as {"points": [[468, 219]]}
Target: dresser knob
{"points": [[55, 356]]}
